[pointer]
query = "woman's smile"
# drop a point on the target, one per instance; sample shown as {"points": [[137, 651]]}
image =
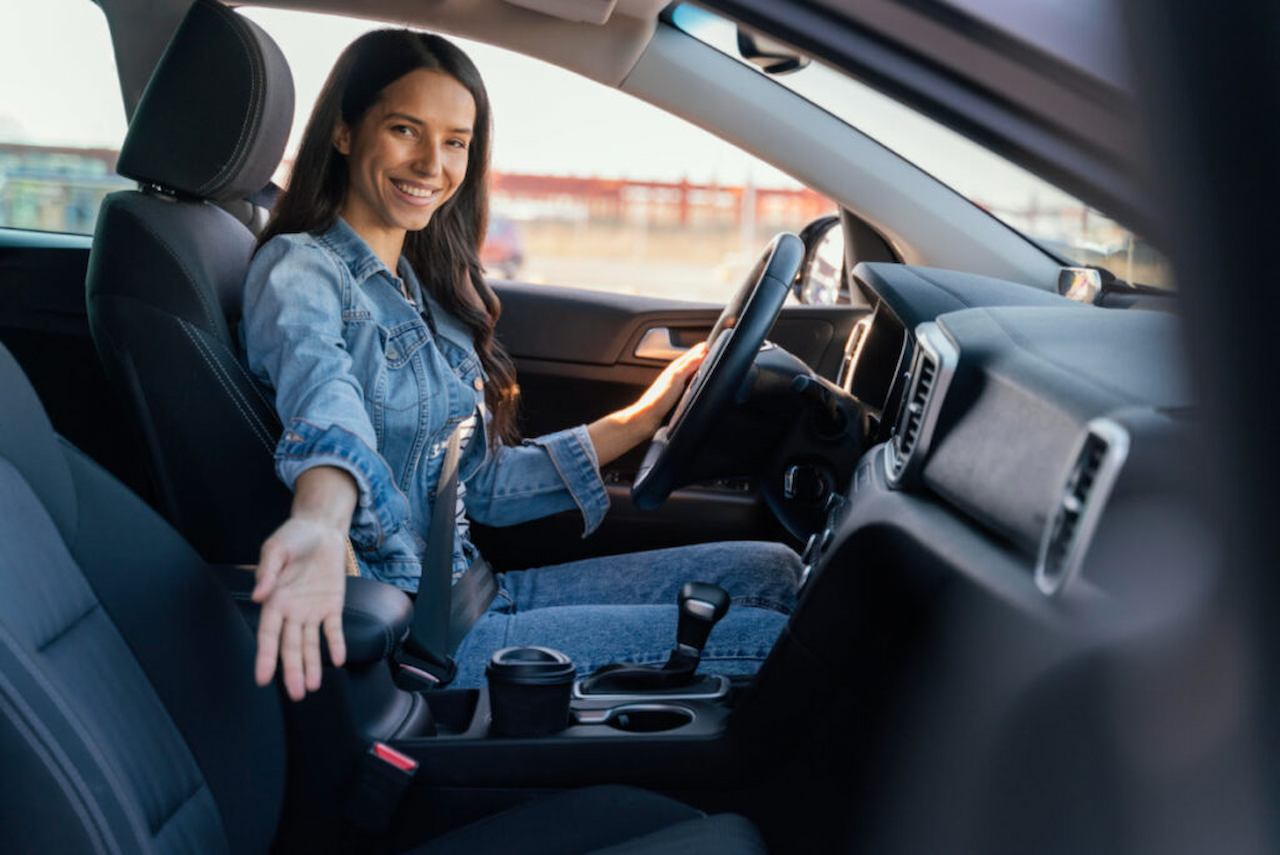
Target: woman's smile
{"points": [[418, 194]]}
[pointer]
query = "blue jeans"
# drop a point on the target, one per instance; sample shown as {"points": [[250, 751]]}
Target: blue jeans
{"points": [[622, 608]]}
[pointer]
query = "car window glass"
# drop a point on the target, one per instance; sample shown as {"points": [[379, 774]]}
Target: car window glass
{"points": [[1060, 224], [61, 115], [590, 188]]}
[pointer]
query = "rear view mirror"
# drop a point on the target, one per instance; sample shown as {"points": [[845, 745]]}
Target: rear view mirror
{"points": [[770, 56]]}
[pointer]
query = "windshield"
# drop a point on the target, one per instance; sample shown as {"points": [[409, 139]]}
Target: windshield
{"points": [[1058, 223]]}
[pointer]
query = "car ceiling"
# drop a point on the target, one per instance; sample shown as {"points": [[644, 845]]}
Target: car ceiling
{"points": [[602, 52]]}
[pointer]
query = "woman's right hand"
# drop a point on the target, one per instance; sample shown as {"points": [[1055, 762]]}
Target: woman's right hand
{"points": [[302, 582]]}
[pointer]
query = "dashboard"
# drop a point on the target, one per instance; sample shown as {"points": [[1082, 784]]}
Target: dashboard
{"points": [[1037, 422]]}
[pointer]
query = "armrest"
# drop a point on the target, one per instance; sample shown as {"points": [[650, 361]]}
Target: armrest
{"points": [[375, 616]]}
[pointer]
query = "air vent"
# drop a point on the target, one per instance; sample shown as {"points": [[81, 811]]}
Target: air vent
{"points": [[913, 420], [1072, 523], [934, 364]]}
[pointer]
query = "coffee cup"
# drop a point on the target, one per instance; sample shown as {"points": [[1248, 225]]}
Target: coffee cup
{"points": [[529, 691]]}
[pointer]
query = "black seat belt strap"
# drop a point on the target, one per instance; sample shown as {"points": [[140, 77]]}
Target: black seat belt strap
{"points": [[429, 635]]}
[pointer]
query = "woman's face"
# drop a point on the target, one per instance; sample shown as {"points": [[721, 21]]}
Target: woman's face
{"points": [[408, 154]]}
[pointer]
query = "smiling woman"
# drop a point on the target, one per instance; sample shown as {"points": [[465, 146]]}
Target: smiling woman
{"points": [[368, 316]]}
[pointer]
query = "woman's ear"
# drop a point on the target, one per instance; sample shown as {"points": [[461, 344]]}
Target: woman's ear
{"points": [[342, 138]]}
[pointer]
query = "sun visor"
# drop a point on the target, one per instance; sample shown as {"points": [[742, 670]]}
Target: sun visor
{"points": [[582, 11]]}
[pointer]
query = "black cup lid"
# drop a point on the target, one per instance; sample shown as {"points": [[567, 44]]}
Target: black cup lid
{"points": [[530, 665]]}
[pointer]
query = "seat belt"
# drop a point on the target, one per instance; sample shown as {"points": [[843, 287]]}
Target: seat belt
{"points": [[442, 616]]}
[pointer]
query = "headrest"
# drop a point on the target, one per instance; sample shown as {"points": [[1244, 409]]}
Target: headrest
{"points": [[215, 116]]}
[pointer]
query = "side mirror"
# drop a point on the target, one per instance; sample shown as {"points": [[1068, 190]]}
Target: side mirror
{"points": [[822, 281], [770, 56], [1082, 284]]}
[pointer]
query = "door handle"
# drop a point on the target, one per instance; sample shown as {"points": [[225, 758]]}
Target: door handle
{"points": [[657, 344]]}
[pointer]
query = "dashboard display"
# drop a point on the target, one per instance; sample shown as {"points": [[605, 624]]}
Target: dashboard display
{"points": [[871, 359]]}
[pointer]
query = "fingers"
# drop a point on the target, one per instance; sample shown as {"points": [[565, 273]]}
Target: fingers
{"points": [[268, 645], [696, 352], [270, 563], [689, 361], [337, 642], [311, 656], [301, 586], [291, 660]]}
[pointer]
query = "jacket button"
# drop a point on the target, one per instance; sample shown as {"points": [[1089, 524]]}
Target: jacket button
{"points": [[478, 383], [391, 354]]}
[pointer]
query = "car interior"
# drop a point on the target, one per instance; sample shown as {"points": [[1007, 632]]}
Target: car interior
{"points": [[980, 453]]}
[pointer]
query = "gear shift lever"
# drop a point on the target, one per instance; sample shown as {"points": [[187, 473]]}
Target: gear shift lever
{"points": [[701, 607]]}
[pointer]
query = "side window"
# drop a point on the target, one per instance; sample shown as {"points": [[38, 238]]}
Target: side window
{"points": [[591, 188], [61, 116]]}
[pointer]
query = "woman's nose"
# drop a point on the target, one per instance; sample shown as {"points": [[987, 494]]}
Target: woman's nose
{"points": [[428, 161]]}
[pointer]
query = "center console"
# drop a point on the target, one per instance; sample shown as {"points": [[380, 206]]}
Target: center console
{"points": [[534, 725]]}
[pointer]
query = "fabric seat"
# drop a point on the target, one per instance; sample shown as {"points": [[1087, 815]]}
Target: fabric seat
{"points": [[129, 721], [166, 273]]}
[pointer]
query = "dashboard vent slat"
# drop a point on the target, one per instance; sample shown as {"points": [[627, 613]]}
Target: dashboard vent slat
{"points": [[935, 362], [1072, 522]]}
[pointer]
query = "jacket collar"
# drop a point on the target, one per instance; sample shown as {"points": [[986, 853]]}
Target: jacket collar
{"points": [[363, 263], [354, 252]]}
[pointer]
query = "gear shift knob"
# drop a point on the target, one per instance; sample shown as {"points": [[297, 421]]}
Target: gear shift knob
{"points": [[701, 607]]}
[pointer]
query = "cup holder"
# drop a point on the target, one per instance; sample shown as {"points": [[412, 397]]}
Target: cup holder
{"points": [[648, 718]]}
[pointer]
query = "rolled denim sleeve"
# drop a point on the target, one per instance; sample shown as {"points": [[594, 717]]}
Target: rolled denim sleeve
{"points": [[556, 472], [292, 330]]}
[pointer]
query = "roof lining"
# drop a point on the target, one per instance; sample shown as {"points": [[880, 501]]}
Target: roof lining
{"points": [[605, 52]]}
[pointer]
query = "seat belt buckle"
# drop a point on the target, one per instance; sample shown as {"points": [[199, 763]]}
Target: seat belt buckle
{"points": [[385, 775], [418, 672]]}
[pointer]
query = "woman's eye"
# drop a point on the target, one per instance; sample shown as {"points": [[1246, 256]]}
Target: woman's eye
{"points": [[459, 144], [402, 130]]}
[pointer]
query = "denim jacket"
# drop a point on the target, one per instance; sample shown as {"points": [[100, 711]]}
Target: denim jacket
{"points": [[362, 383]]}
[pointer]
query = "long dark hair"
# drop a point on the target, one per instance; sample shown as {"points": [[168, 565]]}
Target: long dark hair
{"points": [[445, 254]]}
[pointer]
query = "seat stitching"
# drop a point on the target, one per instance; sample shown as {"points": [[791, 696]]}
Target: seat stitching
{"points": [[237, 154], [258, 430], [66, 630], [61, 769], [182, 803], [211, 359], [55, 697], [252, 383]]}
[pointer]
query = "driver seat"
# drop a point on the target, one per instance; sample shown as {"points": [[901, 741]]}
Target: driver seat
{"points": [[166, 275], [129, 720]]}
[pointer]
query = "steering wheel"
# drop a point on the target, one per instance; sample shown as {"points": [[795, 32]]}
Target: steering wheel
{"points": [[733, 344]]}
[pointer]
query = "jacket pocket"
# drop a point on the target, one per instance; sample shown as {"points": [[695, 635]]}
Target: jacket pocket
{"points": [[402, 342], [407, 383]]}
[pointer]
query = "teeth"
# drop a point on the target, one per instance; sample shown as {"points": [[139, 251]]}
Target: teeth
{"points": [[414, 191]]}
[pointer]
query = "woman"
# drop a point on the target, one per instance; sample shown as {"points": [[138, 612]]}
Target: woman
{"points": [[367, 312]]}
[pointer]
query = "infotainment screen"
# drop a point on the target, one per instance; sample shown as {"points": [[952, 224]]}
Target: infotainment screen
{"points": [[874, 363]]}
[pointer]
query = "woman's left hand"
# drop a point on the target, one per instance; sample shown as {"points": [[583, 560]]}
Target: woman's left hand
{"points": [[618, 433], [663, 394]]}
